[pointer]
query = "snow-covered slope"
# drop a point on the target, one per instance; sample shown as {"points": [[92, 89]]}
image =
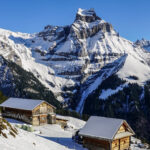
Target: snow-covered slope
{"points": [[68, 59], [47, 137]]}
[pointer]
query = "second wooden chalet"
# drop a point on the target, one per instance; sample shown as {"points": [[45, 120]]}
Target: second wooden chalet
{"points": [[35, 112], [101, 133]]}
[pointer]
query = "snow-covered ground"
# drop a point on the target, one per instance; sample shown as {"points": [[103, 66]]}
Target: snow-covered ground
{"points": [[50, 137], [137, 144], [46, 137]]}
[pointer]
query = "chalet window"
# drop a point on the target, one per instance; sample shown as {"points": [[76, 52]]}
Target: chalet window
{"points": [[50, 110], [43, 118]]}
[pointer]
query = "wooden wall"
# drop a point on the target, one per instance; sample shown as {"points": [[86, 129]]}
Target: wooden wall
{"points": [[121, 144], [43, 108], [122, 129], [95, 144], [124, 143], [35, 121], [115, 145], [22, 115], [43, 114], [51, 119]]}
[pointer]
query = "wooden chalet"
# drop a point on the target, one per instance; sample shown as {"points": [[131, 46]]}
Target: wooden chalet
{"points": [[101, 133], [35, 112]]}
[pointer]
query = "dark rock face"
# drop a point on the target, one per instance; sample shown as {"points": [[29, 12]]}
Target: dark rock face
{"points": [[52, 33], [143, 43], [84, 33], [6, 78]]}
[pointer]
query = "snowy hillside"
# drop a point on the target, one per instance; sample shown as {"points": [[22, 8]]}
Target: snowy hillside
{"points": [[47, 137]]}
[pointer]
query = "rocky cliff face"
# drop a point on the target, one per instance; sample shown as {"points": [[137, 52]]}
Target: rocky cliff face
{"points": [[6, 129]]}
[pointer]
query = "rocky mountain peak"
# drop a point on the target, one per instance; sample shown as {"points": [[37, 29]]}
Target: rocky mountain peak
{"points": [[87, 15], [143, 43]]}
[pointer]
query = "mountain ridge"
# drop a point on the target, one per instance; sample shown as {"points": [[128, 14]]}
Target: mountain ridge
{"points": [[65, 57]]}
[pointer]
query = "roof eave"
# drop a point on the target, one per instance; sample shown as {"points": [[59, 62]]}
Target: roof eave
{"points": [[99, 138], [44, 102], [16, 108], [123, 137]]}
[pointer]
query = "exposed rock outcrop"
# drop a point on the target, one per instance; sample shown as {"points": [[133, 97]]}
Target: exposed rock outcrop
{"points": [[6, 129]]}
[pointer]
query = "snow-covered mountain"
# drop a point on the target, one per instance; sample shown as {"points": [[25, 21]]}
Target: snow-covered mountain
{"points": [[75, 59], [143, 43]]}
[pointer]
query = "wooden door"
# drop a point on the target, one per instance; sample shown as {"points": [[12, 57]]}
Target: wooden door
{"points": [[36, 121], [43, 119]]}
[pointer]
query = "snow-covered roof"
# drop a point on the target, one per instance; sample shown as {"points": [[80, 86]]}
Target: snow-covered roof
{"points": [[20, 103], [101, 127], [61, 117]]}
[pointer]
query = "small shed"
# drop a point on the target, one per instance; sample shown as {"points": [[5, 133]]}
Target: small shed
{"points": [[61, 120], [35, 112], [102, 133]]}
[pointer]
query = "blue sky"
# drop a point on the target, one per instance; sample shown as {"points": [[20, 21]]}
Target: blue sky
{"points": [[131, 18]]}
